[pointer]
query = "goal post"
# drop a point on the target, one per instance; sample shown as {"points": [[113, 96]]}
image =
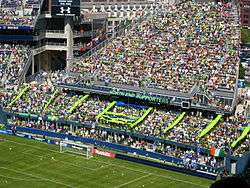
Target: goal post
{"points": [[77, 148]]}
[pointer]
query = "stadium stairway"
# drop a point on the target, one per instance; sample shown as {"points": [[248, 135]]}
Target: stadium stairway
{"points": [[25, 69], [38, 13]]}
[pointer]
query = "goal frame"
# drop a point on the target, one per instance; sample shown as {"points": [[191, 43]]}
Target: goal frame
{"points": [[77, 145]]}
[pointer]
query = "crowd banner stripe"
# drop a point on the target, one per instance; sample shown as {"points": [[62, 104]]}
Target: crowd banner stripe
{"points": [[111, 105], [78, 103], [210, 126], [242, 136], [175, 122], [51, 100], [148, 111], [20, 95]]}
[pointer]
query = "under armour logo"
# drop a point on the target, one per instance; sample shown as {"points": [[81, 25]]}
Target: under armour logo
{"points": [[67, 10]]}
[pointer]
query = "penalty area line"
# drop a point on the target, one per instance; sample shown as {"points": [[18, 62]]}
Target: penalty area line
{"points": [[132, 181], [13, 178], [36, 176]]}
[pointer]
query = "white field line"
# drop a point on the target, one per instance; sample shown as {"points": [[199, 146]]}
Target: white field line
{"points": [[103, 166], [13, 178], [38, 177], [47, 156], [55, 151], [64, 162], [132, 181], [35, 166], [119, 166]]}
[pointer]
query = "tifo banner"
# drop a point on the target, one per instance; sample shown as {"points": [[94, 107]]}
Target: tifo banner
{"points": [[217, 152], [2, 126], [104, 153]]}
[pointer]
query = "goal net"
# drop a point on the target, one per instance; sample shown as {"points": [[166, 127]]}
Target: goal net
{"points": [[77, 148]]}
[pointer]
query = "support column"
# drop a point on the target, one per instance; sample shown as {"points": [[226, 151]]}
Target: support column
{"points": [[39, 63], [33, 65], [70, 42], [50, 6], [113, 28]]}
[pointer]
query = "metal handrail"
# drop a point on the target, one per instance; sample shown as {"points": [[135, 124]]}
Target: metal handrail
{"points": [[25, 69]]}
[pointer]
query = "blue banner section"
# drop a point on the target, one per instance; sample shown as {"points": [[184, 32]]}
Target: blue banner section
{"points": [[120, 103], [15, 27], [16, 38], [6, 132], [112, 146]]}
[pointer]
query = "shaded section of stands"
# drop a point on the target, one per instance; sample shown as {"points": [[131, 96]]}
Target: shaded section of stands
{"points": [[97, 127]]}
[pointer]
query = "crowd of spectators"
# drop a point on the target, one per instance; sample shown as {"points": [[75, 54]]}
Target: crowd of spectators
{"points": [[18, 12], [226, 132], [188, 129], [154, 124], [12, 60], [191, 44]]}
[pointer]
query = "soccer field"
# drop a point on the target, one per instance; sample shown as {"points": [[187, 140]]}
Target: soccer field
{"points": [[27, 163]]}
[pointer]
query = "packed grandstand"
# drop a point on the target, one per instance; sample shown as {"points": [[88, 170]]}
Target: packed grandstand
{"points": [[17, 12], [192, 45]]}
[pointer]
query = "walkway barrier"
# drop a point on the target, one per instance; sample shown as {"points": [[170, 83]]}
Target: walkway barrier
{"points": [[166, 166]]}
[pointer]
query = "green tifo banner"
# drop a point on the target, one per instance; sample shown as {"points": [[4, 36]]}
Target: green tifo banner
{"points": [[175, 122], [210, 126], [242, 136]]}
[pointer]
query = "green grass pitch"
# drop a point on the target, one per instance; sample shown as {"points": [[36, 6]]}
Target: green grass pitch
{"points": [[31, 164]]}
